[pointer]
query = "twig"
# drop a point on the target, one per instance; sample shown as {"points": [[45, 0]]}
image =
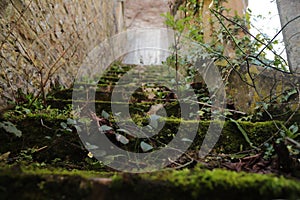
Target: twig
{"points": [[42, 123], [292, 142], [248, 32], [226, 29], [19, 18], [296, 110], [230, 110], [282, 28], [180, 166]]}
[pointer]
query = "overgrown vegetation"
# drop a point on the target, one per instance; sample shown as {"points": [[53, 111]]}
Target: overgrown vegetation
{"points": [[38, 130], [244, 63]]}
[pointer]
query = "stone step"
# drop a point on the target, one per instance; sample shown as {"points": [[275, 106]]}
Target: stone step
{"points": [[231, 139], [198, 183], [105, 93], [172, 108]]}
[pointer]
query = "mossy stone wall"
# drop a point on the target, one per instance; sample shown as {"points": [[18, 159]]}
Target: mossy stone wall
{"points": [[42, 43]]}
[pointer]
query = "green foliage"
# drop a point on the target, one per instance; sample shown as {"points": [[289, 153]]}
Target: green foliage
{"points": [[244, 133], [286, 136], [221, 180], [177, 24], [11, 128], [235, 50], [291, 132]]}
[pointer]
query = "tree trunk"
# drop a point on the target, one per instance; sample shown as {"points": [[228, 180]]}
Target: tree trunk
{"points": [[288, 11]]}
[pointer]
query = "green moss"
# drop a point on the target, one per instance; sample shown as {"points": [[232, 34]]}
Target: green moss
{"points": [[52, 114], [67, 145], [34, 170], [233, 184], [169, 184], [205, 184], [18, 185], [231, 139], [53, 141]]}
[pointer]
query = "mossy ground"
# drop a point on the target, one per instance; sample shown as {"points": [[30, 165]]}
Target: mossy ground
{"points": [[41, 130], [34, 183], [49, 162]]}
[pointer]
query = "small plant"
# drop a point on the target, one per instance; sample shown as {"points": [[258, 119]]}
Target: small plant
{"points": [[287, 138], [291, 132], [11, 128]]}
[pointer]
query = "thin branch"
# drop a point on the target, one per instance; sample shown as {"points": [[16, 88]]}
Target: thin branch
{"points": [[228, 32], [282, 28], [268, 65], [15, 24], [209, 105], [296, 110], [248, 32]]}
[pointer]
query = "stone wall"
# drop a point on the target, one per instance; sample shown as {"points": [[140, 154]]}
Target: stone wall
{"points": [[42, 43], [145, 13], [269, 84], [289, 17]]}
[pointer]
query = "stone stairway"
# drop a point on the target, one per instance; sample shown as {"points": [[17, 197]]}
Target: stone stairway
{"points": [[156, 99], [147, 90]]}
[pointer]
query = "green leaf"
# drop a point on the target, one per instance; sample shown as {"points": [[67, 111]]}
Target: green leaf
{"points": [[78, 128], [48, 137], [104, 128], [11, 128], [244, 133], [122, 139], [125, 131], [63, 125], [154, 121], [265, 105], [201, 113], [90, 146], [294, 128], [27, 111], [105, 114], [85, 120], [71, 121], [146, 147]]}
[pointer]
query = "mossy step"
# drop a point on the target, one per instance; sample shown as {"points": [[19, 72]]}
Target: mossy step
{"points": [[172, 108], [111, 86], [155, 82], [104, 91], [203, 184], [134, 71], [231, 139], [136, 74], [35, 134], [155, 77], [198, 183], [122, 69], [109, 79], [104, 94]]}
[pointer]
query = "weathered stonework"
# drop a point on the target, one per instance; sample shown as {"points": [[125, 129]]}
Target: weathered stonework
{"points": [[289, 17], [44, 42], [268, 85]]}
